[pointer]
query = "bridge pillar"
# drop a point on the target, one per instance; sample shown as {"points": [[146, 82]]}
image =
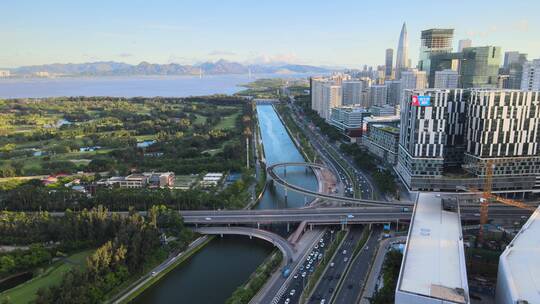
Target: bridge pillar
{"points": [[284, 170], [250, 236], [369, 226], [305, 200], [221, 234], [310, 226], [258, 225], [288, 226]]}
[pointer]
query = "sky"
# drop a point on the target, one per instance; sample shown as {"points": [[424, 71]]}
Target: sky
{"points": [[327, 33]]}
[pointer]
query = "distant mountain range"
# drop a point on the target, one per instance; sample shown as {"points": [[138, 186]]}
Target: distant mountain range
{"points": [[111, 68]]}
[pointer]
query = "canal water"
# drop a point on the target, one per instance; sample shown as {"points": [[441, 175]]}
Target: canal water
{"points": [[212, 275]]}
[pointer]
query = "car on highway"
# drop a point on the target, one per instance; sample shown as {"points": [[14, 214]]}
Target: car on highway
{"points": [[345, 259], [154, 273], [208, 218], [350, 216], [332, 264]]}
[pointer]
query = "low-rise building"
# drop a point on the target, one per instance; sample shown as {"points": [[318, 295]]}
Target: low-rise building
{"points": [[433, 268], [349, 120], [383, 142], [383, 110], [211, 179], [519, 270]]}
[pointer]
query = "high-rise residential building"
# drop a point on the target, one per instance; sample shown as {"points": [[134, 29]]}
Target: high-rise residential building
{"points": [[530, 79], [464, 43], [513, 67], [393, 91], [479, 67], [446, 79], [5, 73], [412, 79], [388, 63], [332, 97], [433, 42], [377, 95], [402, 55], [352, 92], [317, 84], [466, 130]]}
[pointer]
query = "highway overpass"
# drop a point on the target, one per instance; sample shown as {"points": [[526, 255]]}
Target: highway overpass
{"points": [[321, 216], [281, 243], [365, 202]]}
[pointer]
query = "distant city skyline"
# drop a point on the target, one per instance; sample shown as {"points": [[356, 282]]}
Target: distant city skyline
{"points": [[301, 32]]}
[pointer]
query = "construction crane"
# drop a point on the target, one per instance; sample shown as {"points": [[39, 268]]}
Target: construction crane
{"points": [[488, 196]]}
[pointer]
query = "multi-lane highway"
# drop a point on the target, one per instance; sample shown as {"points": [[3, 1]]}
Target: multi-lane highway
{"points": [[356, 276], [301, 274], [364, 185], [329, 281], [311, 215], [342, 215]]}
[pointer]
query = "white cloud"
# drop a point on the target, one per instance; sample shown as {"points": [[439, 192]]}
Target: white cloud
{"points": [[221, 53], [274, 59]]}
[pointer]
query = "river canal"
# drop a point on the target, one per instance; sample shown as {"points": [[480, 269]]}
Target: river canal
{"points": [[213, 274]]}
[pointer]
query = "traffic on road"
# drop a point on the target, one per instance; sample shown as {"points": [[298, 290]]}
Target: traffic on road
{"points": [[301, 276], [330, 279]]}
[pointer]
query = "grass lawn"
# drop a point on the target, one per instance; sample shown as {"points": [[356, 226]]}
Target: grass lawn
{"points": [[201, 120], [26, 292], [145, 137], [228, 122]]}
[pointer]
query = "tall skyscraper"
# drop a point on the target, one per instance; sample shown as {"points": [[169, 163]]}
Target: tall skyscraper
{"points": [[352, 92], [433, 42], [331, 97], [393, 92], [377, 95], [412, 79], [402, 55], [389, 63], [513, 68], [446, 79], [530, 79], [479, 67], [464, 43]]}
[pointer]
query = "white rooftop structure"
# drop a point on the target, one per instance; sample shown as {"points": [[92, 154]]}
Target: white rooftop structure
{"points": [[518, 280], [433, 268]]}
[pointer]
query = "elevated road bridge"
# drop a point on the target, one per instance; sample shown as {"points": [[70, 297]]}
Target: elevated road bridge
{"points": [[281, 243], [271, 170]]}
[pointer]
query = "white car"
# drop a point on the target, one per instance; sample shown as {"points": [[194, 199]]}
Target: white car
{"points": [[208, 218], [292, 292], [287, 301], [304, 274], [296, 276]]}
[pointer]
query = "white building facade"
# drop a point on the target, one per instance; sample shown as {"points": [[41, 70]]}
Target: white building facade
{"points": [[530, 79]]}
